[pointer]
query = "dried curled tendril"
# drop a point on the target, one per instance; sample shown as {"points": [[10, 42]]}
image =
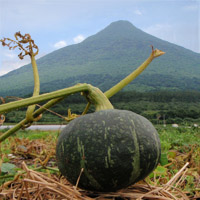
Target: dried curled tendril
{"points": [[20, 41]]}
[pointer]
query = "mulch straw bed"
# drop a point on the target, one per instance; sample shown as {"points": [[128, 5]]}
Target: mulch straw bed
{"points": [[35, 185]]}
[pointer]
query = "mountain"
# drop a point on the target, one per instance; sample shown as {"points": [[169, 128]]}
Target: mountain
{"points": [[105, 58]]}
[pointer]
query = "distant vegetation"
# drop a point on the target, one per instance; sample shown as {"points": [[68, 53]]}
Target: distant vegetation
{"points": [[182, 107]]}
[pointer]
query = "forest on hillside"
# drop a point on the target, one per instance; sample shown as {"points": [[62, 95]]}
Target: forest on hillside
{"points": [[107, 57], [181, 107]]}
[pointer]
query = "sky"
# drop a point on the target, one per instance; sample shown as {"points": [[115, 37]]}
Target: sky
{"points": [[54, 24]]}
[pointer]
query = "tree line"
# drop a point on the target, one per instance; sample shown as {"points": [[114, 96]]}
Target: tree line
{"points": [[158, 106]]}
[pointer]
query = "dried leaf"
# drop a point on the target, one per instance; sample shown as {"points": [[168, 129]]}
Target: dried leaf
{"points": [[28, 50], [15, 47]]}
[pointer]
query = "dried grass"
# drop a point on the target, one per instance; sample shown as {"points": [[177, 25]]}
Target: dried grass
{"points": [[40, 186]]}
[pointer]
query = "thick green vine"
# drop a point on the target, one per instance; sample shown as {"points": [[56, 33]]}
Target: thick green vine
{"points": [[94, 95]]}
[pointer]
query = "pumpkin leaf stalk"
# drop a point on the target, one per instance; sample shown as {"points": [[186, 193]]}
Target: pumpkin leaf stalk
{"points": [[115, 89], [93, 94], [20, 41], [36, 92]]}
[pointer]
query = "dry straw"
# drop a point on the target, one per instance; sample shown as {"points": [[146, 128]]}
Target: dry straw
{"points": [[40, 186]]}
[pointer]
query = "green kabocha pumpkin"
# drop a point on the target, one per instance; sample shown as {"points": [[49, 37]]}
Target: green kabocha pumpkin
{"points": [[116, 148]]}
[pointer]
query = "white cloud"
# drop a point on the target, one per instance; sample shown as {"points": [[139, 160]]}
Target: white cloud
{"points": [[10, 55], [192, 7], [176, 34], [78, 39], [11, 61], [60, 44], [137, 12], [163, 31], [12, 64]]}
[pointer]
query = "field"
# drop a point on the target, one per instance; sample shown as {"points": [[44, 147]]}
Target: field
{"points": [[28, 168], [33, 152]]}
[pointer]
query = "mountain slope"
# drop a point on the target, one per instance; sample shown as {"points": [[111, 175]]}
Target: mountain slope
{"points": [[105, 58]]}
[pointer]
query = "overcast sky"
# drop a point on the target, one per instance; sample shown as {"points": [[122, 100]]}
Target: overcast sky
{"points": [[57, 23]]}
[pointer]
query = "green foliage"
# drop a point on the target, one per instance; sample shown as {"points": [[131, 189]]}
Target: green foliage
{"points": [[159, 172], [163, 159], [176, 138], [8, 168]]}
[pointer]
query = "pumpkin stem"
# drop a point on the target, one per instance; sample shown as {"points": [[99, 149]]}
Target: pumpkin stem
{"points": [[98, 98]]}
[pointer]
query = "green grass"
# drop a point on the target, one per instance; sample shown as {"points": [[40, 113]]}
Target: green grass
{"points": [[37, 134]]}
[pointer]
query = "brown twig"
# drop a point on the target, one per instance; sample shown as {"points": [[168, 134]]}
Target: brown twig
{"points": [[176, 176], [77, 182]]}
